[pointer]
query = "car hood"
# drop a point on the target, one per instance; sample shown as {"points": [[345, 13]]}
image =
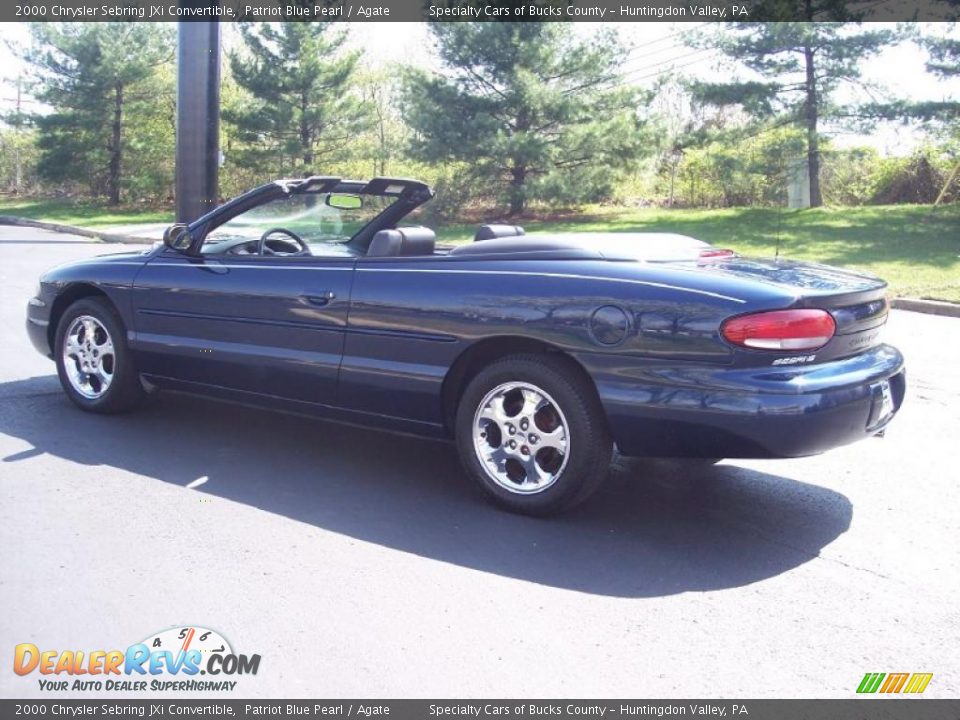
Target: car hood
{"points": [[87, 268]]}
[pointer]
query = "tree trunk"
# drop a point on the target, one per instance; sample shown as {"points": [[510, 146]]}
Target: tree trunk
{"points": [[811, 107], [518, 198], [116, 145]]}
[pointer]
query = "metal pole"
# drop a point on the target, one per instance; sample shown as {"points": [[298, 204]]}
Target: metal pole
{"points": [[198, 118]]}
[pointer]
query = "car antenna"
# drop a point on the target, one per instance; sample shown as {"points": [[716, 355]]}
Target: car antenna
{"points": [[776, 252], [783, 169]]}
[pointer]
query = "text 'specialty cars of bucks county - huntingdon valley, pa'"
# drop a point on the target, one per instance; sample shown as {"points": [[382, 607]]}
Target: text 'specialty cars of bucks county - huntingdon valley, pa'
{"points": [[535, 355]]}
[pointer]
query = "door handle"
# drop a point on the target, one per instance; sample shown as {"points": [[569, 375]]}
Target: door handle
{"points": [[322, 299]]}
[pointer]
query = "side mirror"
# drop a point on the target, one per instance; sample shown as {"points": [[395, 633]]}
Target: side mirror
{"points": [[177, 237], [341, 201]]}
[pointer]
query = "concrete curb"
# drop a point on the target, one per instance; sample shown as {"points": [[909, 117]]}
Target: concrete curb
{"points": [[71, 230], [930, 307]]}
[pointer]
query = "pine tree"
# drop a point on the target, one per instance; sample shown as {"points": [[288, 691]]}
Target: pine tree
{"points": [[302, 110], [534, 111], [944, 54], [92, 75], [802, 64]]}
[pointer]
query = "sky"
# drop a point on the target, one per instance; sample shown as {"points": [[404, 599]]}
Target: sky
{"points": [[657, 51]]}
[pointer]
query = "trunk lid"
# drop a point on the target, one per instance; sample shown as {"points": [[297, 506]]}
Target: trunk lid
{"points": [[856, 300]]}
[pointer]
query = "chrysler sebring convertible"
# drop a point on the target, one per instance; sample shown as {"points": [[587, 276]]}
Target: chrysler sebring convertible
{"points": [[538, 356]]}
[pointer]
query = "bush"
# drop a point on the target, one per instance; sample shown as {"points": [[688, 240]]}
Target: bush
{"points": [[849, 177], [915, 180], [454, 193]]}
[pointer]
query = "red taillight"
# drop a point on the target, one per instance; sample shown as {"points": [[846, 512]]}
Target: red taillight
{"points": [[711, 253], [781, 330]]}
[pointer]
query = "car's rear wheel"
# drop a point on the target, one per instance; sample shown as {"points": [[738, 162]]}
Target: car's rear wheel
{"points": [[94, 364], [532, 435]]}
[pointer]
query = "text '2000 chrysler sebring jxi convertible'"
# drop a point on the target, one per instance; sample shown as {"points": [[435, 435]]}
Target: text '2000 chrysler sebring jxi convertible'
{"points": [[536, 355]]}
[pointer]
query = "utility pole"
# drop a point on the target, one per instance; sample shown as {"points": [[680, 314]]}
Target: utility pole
{"points": [[198, 116]]}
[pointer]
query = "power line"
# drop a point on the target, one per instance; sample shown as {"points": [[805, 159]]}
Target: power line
{"points": [[20, 100], [674, 34], [658, 51], [633, 57], [627, 79], [668, 61]]}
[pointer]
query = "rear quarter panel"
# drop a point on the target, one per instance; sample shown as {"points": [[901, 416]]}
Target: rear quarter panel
{"points": [[411, 318]]}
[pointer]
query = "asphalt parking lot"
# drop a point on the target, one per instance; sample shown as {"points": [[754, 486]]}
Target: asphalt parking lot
{"points": [[361, 564]]}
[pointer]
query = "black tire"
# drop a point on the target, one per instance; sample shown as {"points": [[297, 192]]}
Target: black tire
{"points": [[588, 442], [124, 390]]}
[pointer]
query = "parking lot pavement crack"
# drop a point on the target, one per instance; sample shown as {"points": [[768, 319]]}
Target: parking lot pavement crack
{"points": [[857, 567], [819, 555]]}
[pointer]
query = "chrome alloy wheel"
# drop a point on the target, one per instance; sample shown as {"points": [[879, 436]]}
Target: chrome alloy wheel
{"points": [[521, 437], [88, 357]]}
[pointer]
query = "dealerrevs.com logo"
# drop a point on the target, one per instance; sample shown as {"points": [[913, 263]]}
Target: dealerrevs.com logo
{"points": [[172, 659]]}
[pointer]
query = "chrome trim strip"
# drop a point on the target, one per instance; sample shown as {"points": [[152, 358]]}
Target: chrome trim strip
{"points": [[569, 276]]}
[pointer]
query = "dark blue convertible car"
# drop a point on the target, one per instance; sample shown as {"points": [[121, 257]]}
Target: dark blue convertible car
{"points": [[537, 355]]}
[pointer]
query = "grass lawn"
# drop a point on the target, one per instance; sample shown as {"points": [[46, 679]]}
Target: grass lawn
{"points": [[917, 251], [82, 213]]}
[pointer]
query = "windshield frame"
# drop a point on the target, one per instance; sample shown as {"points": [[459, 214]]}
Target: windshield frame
{"points": [[409, 195]]}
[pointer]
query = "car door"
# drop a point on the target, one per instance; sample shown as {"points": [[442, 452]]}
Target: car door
{"points": [[273, 326]]}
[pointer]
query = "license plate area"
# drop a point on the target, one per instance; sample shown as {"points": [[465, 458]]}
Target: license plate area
{"points": [[886, 402], [883, 405]]}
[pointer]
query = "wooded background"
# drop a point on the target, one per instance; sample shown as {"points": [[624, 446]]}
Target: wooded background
{"points": [[519, 117]]}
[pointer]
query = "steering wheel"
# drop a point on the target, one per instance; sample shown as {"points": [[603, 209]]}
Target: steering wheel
{"points": [[262, 248]]}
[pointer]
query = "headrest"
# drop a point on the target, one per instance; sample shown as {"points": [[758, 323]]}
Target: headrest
{"points": [[489, 232], [402, 242]]}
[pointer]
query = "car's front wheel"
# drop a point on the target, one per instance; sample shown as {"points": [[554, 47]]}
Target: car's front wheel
{"points": [[532, 435], [94, 364]]}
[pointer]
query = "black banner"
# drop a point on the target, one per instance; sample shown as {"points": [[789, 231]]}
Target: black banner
{"points": [[603, 11], [855, 709]]}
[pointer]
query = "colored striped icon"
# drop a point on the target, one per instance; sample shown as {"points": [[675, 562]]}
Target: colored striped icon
{"points": [[914, 683]]}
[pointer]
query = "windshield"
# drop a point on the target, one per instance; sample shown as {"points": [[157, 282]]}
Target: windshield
{"points": [[308, 215]]}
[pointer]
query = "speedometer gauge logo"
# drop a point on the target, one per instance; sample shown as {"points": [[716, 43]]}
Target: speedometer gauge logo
{"points": [[184, 639]]}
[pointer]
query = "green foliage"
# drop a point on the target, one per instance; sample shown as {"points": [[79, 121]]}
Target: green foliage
{"points": [[534, 110], [298, 109], [102, 80], [455, 193], [943, 52], [944, 55], [850, 176], [18, 160], [731, 172], [917, 179]]}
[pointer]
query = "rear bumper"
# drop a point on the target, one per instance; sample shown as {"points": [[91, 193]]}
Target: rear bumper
{"points": [[699, 411]]}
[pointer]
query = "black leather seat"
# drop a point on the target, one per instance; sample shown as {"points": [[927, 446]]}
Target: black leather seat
{"points": [[403, 242], [490, 232]]}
